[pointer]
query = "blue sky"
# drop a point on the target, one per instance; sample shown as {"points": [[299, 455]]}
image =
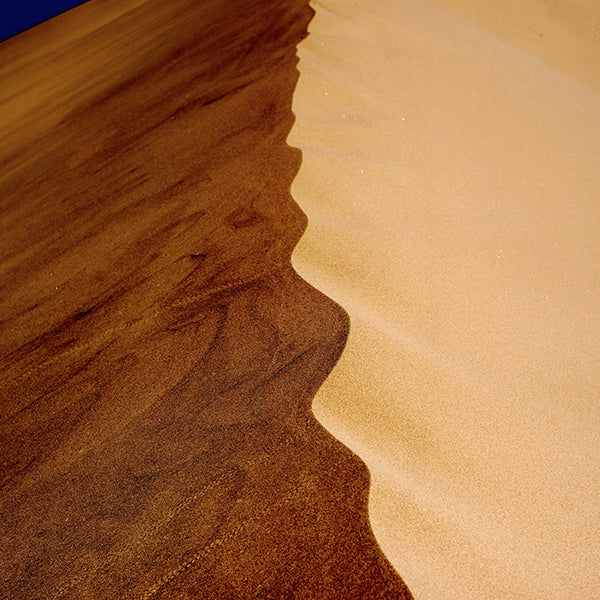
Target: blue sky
{"points": [[18, 15]]}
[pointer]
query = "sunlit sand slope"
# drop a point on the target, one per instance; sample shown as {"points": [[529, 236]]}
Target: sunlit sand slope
{"points": [[451, 182]]}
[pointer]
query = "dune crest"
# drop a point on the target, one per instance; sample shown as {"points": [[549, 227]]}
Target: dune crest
{"points": [[158, 355]]}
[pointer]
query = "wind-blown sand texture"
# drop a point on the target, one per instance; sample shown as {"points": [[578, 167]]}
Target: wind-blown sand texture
{"points": [[158, 353], [451, 180]]}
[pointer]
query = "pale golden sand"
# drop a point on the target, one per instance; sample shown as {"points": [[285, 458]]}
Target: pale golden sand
{"points": [[563, 33], [451, 182]]}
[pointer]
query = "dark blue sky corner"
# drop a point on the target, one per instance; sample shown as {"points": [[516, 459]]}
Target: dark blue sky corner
{"points": [[17, 16]]}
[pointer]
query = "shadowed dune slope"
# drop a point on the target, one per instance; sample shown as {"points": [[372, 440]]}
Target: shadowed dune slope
{"points": [[158, 353]]}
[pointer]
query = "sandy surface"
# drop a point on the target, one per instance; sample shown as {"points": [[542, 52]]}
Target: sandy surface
{"points": [[451, 183], [158, 355], [564, 34]]}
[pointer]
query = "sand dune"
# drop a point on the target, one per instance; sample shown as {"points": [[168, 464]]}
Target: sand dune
{"points": [[158, 355], [450, 179]]}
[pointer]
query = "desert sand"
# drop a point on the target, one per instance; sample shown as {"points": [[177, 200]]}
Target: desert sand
{"points": [[158, 355], [450, 177]]}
